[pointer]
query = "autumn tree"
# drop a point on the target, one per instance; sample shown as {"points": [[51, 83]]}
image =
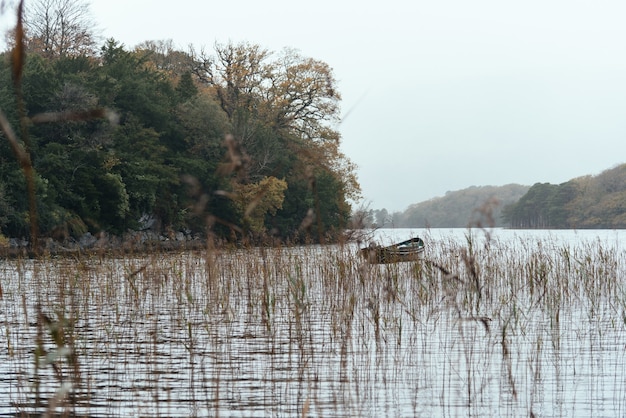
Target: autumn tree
{"points": [[303, 97], [256, 200], [239, 76], [165, 155], [282, 109], [165, 56], [56, 28]]}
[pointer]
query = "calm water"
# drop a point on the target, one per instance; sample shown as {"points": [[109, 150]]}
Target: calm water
{"points": [[501, 324]]}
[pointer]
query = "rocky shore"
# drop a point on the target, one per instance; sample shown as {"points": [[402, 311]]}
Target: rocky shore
{"points": [[135, 241]]}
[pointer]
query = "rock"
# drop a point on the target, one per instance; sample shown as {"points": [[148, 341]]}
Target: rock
{"points": [[18, 243], [87, 240]]}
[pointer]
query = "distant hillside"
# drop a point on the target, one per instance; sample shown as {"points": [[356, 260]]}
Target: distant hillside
{"points": [[459, 209], [584, 202]]}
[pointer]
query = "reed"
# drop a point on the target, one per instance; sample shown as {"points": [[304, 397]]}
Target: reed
{"points": [[482, 325]]}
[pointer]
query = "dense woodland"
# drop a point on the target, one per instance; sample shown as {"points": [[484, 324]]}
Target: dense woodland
{"points": [[584, 202], [239, 140], [473, 206], [588, 202]]}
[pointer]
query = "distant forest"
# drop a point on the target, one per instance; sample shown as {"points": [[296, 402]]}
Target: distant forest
{"points": [[240, 141], [587, 202], [597, 202], [457, 209]]}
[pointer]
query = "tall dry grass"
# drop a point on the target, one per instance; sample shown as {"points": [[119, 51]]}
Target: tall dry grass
{"points": [[481, 316], [308, 329]]}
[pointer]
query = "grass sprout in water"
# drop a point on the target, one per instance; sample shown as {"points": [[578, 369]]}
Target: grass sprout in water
{"points": [[483, 325]]}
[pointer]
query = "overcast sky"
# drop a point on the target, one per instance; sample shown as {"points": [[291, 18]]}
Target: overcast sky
{"points": [[438, 95]]}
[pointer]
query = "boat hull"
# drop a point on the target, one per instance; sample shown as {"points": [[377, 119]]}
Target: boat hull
{"points": [[386, 256], [409, 250]]}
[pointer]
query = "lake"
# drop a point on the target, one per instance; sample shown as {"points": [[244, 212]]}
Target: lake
{"points": [[490, 323]]}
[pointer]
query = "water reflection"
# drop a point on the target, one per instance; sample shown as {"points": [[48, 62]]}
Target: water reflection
{"points": [[314, 331]]}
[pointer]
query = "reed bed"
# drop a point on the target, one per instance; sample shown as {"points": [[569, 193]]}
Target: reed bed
{"points": [[480, 326]]}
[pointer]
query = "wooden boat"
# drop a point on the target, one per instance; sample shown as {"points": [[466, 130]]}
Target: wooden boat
{"points": [[408, 250]]}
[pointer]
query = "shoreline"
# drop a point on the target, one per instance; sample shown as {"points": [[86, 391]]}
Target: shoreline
{"points": [[139, 242]]}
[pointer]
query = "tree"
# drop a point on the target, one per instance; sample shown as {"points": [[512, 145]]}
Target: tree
{"points": [[139, 158], [186, 88], [281, 112], [204, 127], [382, 217], [5, 209], [129, 85], [239, 75], [533, 209], [302, 97], [256, 200], [164, 156], [57, 28], [164, 56], [461, 208], [294, 97]]}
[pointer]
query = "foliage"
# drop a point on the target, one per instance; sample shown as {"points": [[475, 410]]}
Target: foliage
{"points": [[457, 209], [160, 151], [584, 202], [256, 200], [279, 111], [536, 213]]}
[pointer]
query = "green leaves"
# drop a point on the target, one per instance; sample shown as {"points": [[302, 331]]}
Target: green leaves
{"points": [[584, 202], [134, 133]]}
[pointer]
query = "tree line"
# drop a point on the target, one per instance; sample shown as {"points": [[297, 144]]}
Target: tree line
{"points": [[587, 202], [240, 141], [473, 206], [597, 202]]}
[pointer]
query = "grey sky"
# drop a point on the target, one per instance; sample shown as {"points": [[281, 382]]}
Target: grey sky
{"points": [[441, 95]]}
